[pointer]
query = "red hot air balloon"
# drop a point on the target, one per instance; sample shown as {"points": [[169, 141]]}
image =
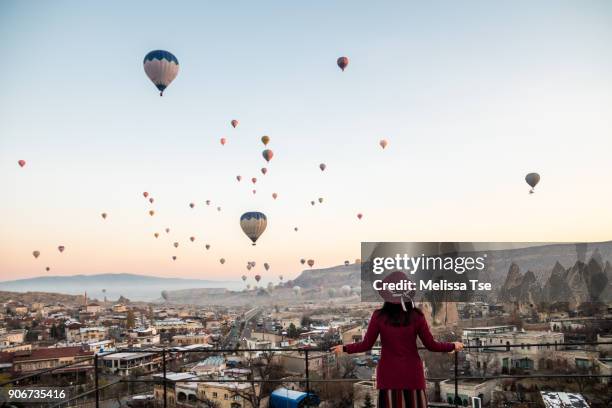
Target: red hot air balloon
{"points": [[61, 248], [254, 180], [322, 166], [151, 200], [267, 155], [311, 262], [274, 195], [238, 178], [192, 239], [47, 269], [174, 257], [21, 163], [342, 63], [234, 123], [145, 194], [254, 191], [264, 171], [223, 141], [191, 205], [257, 278], [383, 143], [360, 215]]}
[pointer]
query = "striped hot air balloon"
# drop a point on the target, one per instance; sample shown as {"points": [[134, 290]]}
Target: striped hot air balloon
{"points": [[161, 67], [253, 224]]}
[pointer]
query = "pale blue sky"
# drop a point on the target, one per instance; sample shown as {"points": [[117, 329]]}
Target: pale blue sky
{"points": [[471, 95]]}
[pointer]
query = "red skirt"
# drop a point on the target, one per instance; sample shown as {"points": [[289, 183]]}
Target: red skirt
{"points": [[402, 399]]}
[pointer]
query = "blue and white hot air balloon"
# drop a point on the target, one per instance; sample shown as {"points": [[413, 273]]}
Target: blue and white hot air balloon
{"points": [[161, 67], [253, 224]]}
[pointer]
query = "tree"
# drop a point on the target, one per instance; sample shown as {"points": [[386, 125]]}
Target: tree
{"points": [[292, 331], [264, 367], [367, 403], [130, 319]]}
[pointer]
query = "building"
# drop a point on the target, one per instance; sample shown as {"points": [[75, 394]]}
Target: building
{"points": [[554, 399], [209, 366], [191, 338], [227, 394], [40, 359], [295, 361], [467, 390], [124, 364]]}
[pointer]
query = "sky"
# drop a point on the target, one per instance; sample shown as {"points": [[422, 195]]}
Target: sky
{"points": [[470, 95]]}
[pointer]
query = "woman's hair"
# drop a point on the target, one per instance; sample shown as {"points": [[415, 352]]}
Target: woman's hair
{"points": [[394, 315]]}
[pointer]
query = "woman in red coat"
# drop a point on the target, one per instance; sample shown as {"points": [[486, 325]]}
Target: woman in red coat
{"points": [[399, 376]]}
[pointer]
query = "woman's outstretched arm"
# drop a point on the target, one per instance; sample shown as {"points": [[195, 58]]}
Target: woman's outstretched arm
{"points": [[430, 343], [369, 339]]}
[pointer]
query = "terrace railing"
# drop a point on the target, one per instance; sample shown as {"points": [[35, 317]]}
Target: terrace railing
{"points": [[94, 395]]}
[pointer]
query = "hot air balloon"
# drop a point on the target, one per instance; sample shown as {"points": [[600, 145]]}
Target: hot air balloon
{"points": [[360, 215], [331, 292], [254, 191], [164, 294], [156, 234], [36, 254], [249, 266], [267, 155], [357, 261], [253, 263], [218, 208], [151, 200], [346, 290], [311, 262], [267, 266], [222, 261], [207, 202], [297, 290], [274, 195], [234, 123], [61, 248], [253, 224], [145, 194], [191, 205], [264, 171], [207, 246], [238, 178], [174, 257], [244, 278], [383, 143], [254, 180], [161, 67], [47, 269], [322, 166], [223, 141], [320, 199], [280, 277], [192, 239], [347, 263], [248, 286], [302, 261], [312, 203], [167, 230], [342, 63], [257, 278], [103, 215], [21, 163], [532, 179], [295, 229], [176, 244], [151, 213], [265, 140]]}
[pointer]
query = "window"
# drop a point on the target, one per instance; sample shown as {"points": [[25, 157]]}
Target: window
{"points": [[214, 395]]}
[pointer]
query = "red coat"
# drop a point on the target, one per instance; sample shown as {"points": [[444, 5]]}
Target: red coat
{"points": [[400, 366]]}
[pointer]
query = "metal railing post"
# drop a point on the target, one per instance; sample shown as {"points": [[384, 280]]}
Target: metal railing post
{"points": [[457, 400], [96, 381], [165, 383], [307, 374]]}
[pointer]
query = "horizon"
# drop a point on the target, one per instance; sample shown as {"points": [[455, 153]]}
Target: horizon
{"points": [[470, 97]]}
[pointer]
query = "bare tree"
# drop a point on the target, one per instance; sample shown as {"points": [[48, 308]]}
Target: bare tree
{"points": [[263, 368]]}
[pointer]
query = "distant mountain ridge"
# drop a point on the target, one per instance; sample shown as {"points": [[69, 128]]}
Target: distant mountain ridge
{"points": [[132, 286]]}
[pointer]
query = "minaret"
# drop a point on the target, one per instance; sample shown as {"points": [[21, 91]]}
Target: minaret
{"points": [[85, 299]]}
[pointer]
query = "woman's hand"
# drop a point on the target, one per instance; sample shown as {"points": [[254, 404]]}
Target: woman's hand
{"points": [[337, 349], [458, 346]]}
